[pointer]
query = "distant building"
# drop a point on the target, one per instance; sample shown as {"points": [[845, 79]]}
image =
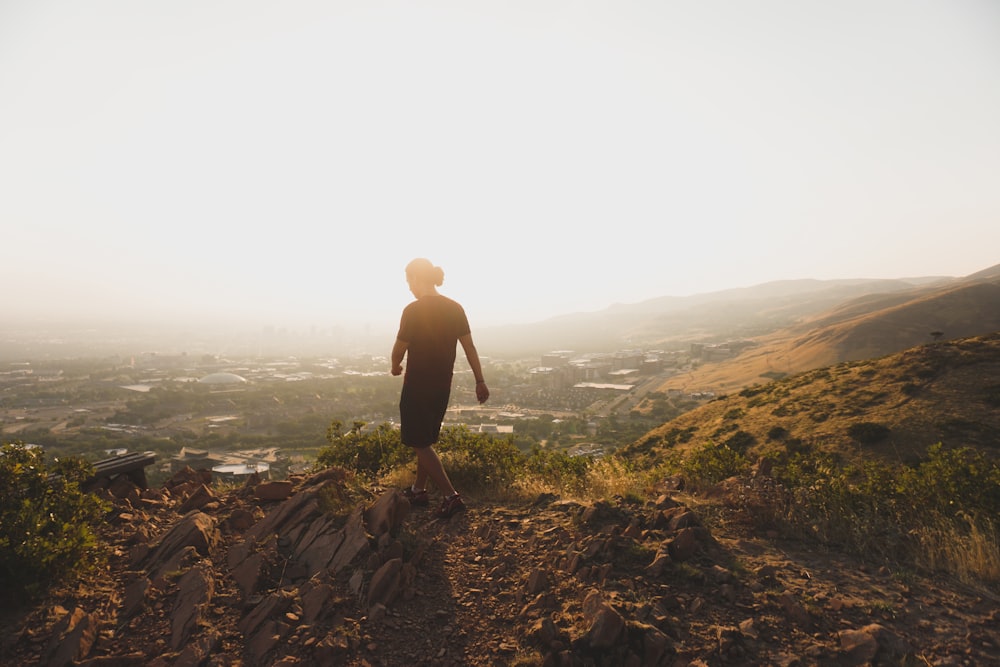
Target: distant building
{"points": [[223, 379], [196, 459], [496, 429]]}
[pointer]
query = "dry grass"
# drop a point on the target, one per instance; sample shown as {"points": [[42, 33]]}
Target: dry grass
{"points": [[935, 393], [967, 547]]}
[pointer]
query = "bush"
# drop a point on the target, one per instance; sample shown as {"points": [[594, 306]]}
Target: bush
{"points": [[472, 460], [952, 481], [475, 460], [369, 454], [940, 514], [740, 441], [712, 463], [777, 433], [46, 521], [868, 433], [560, 469]]}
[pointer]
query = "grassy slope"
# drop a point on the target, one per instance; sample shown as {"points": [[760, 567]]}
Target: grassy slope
{"points": [[944, 392]]}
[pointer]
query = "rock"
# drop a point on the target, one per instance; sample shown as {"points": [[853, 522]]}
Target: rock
{"points": [[195, 590], [295, 511], [276, 490], [355, 541], [196, 530], [319, 545], [748, 629], [858, 646], [649, 642], [387, 514], [72, 638], [240, 519], [537, 582], [331, 649], [543, 632], [385, 583], [674, 483], [134, 599], [272, 606], [683, 546], [607, 627], [162, 573], [660, 562], [249, 573], [794, 609], [861, 646], [728, 638], [200, 497], [681, 517], [664, 502], [196, 652], [314, 601]]}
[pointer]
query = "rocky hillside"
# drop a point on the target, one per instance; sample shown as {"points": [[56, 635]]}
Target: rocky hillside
{"points": [[945, 392], [289, 573]]}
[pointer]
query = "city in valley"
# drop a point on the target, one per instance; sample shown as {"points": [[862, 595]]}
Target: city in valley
{"points": [[241, 414]]}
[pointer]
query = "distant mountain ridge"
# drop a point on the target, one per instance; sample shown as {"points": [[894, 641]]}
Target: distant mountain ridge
{"points": [[747, 312], [866, 327]]}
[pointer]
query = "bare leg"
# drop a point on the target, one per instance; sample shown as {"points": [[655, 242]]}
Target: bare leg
{"points": [[429, 463], [421, 481]]}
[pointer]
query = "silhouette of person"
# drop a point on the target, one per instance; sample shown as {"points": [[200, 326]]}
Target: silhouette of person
{"points": [[429, 330]]}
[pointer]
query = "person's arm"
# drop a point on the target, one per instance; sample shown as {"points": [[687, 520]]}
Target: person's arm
{"points": [[398, 350], [482, 391]]}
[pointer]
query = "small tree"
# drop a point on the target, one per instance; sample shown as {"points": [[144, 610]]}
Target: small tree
{"points": [[46, 521]]}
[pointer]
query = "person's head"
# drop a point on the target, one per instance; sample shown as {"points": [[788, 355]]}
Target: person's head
{"points": [[422, 276]]}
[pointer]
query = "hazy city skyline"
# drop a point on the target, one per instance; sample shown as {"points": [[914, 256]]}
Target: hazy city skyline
{"points": [[282, 163]]}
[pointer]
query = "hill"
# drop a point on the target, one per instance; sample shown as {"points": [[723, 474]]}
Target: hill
{"points": [[253, 577], [945, 392], [860, 328]]}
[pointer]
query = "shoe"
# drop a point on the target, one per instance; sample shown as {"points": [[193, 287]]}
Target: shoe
{"points": [[416, 497], [450, 506]]}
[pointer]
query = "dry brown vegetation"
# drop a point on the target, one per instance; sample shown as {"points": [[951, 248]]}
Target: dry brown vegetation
{"points": [[944, 392]]}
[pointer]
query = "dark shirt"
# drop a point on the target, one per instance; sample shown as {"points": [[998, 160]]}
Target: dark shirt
{"points": [[431, 327]]}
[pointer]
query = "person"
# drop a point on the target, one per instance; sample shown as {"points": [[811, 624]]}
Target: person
{"points": [[429, 330]]}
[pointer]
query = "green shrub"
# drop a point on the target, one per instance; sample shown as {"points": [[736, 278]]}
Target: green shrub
{"points": [[940, 513], [712, 463], [472, 460], [46, 521], [868, 433], [952, 481], [476, 460], [777, 433], [559, 468], [368, 453], [740, 441]]}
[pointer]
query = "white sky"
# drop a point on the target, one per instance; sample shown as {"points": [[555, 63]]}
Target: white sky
{"points": [[270, 160]]}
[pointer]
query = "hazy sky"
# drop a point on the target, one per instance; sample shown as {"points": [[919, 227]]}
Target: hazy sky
{"points": [[264, 160]]}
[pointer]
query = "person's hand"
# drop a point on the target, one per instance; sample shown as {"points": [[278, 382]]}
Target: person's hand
{"points": [[396, 370], [482, 392]]}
